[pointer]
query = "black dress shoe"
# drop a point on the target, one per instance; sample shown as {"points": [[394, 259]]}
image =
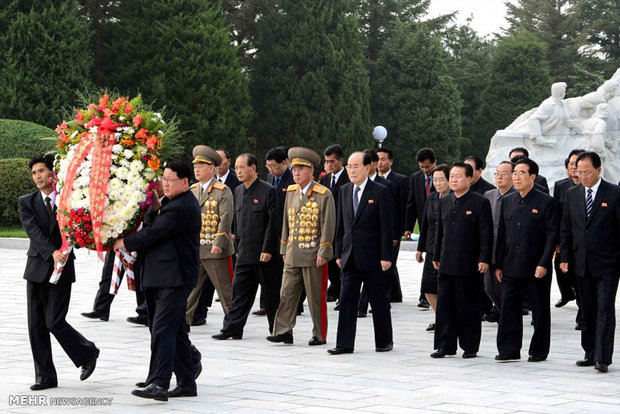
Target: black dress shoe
{"points": [[287, 338], [386, 348], [138, 320], [316, 341], [534, 358], [423, 303], [331, 298], [440, 353], [337, 351], [562, 302], [337, 307], [260, 312], [361, 314], [153, 391], [585, 363], [96, 315], [507, 358], [199, 322], [183, 392], [601, 367], [42, 386], [430, 327], [141, 384], [89, 367], [468, 355], [491, 317], [226, 335]]}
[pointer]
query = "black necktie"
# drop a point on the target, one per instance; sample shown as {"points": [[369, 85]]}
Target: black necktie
{"points": [[48, 207], [333, 182]]}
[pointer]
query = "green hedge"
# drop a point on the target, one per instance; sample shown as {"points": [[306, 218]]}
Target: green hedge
{"points": [[15, 181], [22, 139]]}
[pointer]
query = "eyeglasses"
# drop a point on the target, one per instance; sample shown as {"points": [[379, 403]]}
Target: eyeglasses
{"points": [[170, 180], [520, 174], [585, 173]]}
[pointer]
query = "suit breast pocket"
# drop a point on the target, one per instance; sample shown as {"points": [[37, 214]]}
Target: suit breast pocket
{"points": [[257, 208]]}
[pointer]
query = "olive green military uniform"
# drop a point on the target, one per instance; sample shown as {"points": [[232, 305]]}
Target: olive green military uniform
{"points": [[307, 232], [217, 212]]}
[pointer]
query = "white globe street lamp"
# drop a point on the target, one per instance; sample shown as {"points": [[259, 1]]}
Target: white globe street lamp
{"points": [[379, 134]]}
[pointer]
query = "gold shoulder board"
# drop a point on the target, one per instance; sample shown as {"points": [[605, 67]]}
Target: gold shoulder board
{"points": [[292, 187], [219, 186], [319, 189]]}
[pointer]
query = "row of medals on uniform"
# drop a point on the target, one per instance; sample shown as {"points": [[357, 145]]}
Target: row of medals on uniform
{"points": [[210, 221], [308, 225]]}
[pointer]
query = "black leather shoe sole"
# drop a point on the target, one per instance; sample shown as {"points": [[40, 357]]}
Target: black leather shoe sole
{"points": [[440, 353], [153, 392], [138, 320], [339, 351], [468, 355], [227, 335], [316, 341], [534, 358], [585, 363], [42, 386], [601, 367], [95, 315], [182, 392], [284, 338], [386, 348], [507, 358], [199, 322]]}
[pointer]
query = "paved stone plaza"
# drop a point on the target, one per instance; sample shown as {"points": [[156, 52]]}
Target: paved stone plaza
{"points": [[255, 376]]}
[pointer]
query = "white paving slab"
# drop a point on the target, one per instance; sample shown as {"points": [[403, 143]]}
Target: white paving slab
{"points": [[255, 376]]}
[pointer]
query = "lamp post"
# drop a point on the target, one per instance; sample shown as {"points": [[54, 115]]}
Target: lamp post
{"points": [[379, 134]]}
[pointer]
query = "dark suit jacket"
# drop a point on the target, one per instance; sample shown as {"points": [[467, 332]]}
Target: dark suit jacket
{"points": [[342, 180], [401, 194], [44, 238], [416, 200], [366, 236], [527, 234], [391, 205], [542, 181], [286, 180], [464, 234], [232, 181], [560, 188], [170, 244], [494, 199], [593, 243], [428, 228], [482, 186], [255, 225]]}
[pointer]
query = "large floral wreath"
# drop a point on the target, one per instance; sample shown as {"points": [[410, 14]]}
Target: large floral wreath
{"points": [[107, 169]]}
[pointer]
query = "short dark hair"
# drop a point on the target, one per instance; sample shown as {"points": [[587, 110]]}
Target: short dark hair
{"points": [[180, 167], [469, 172], [387, 151], [251, 159], [444, 169], [426, 154], [520, 149], [477, 162], [593, 156], [47, 159], [573, 152], [284, 148], [512, 165], [335, 150], [277, 154], [226, 153], [372, 154], [516, 158], [532, 167]]}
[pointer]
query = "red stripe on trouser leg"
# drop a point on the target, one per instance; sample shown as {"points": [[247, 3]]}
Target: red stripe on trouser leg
{"points": [[230, 268], [324, 275]]}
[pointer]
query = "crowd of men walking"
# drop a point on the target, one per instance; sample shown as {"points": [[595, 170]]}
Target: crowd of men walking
{"points": [[487, 252]]}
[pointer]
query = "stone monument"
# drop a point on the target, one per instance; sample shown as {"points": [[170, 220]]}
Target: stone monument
{"points": [[558, 125]]}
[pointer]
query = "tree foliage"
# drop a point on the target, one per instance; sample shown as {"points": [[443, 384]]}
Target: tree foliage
{"points": [[417, 101]]}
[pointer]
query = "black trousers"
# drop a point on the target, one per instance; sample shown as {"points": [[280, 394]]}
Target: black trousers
{"points": [[458, 312], [493, 287], [598, 316], [568, 284], [375, 283], [205, 301], [103, 299], [510, 330], [170, 344], [393, 280], [47, 309], [333, 274], [245, 284]]}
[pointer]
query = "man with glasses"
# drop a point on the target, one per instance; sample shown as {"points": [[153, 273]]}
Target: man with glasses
{"points": [[526, 238], [590, 236]]}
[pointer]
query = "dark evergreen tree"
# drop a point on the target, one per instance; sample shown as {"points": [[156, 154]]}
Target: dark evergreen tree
{"points": [[519, 80], [417, 101], [601, 21], [46, 57], [310, 84], [178, 54]]}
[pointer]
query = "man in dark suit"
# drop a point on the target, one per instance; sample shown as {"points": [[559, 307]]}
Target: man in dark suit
{"points": [[400, 186], [462, 252], [590, 234], [526, 239], [257, 245], [478, 184], [420, 187], [170, 246], [364, 250], [567, 282], [48, 303], [520, 152], [224, 173], [337, 177]]}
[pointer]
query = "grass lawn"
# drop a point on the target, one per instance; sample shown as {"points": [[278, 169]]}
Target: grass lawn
{"points": [[12, 232]]}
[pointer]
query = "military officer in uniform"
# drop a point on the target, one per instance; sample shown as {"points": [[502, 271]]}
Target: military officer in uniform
{"points": [[306, 247], [216, 245]]}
